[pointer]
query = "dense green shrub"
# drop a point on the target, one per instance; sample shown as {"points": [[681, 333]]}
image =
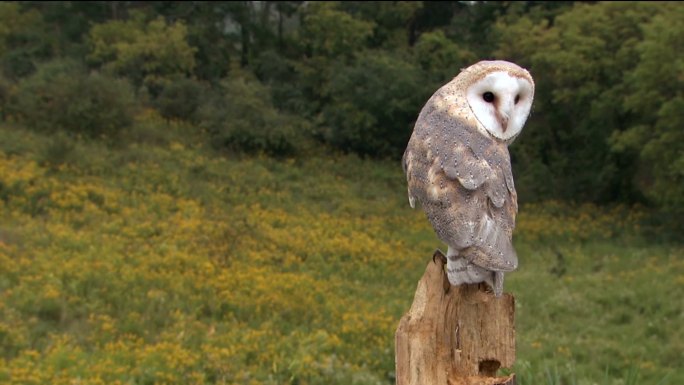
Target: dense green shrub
{"points": [[5, 90], [180, 99], [242, 117], [280, 75], [24, 39], [59, 96], [374, 104]]}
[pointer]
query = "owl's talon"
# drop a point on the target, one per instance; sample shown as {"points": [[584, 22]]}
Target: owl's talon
{"points": [[443, 260], [439, 255], [486, 288]]}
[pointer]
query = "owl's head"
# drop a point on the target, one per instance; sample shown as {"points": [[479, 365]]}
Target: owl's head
{"points": [[500, 95]]}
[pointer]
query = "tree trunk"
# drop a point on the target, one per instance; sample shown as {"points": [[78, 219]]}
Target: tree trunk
{"points": [[455, 335]]}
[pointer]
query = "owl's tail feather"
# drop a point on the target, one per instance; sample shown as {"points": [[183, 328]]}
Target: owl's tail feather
{"points": [[503, 261], [460, 271]]}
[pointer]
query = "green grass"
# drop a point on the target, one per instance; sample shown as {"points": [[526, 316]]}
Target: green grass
{"points": [[154, 259]]}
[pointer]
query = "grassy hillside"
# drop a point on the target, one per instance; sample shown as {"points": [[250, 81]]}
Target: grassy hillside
{"points": [[160, 261]]}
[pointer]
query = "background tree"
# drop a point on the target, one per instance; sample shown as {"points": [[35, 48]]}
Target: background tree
{"points": [[150, 53], [655, 100], [373, 104], [579, 64], [329, 38], [24, 40]]}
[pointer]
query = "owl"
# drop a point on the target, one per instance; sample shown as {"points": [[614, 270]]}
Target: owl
{"points": [[458, 168]]}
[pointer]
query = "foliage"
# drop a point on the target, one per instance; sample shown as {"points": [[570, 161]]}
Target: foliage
{"points": [[24, 39], [282, 77], [165, 263], [330, 32], [206, 33], [578, 63], [242, 117], [328, 38], [150, 53], [60, 96], [373, 104], [440, 57], [389, 20], [656, 98], [181, 99], [6, 88]]}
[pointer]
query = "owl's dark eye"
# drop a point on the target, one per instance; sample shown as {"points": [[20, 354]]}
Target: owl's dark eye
{"points": [[517, 99], [488, 97]]}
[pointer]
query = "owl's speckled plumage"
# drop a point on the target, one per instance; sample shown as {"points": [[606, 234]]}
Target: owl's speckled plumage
{"points": [[460, 172]]}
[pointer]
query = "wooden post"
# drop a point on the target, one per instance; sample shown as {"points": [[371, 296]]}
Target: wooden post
{"points": [[455, 335]]}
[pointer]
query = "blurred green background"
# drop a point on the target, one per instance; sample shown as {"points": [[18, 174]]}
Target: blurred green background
{"points": [[211, 192]]}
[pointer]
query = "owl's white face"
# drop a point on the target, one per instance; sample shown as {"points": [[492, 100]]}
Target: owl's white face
{"points": [[501, 103]]}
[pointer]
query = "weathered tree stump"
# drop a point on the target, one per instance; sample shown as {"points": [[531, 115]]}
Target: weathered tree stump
{"points": [[455, 335]]}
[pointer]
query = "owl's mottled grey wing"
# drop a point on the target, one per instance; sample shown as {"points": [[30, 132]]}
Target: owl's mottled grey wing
{"points": [[464, 182]]}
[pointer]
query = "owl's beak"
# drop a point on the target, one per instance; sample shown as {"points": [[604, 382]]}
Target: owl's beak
{"points": [[503, 114], [502, 117]]}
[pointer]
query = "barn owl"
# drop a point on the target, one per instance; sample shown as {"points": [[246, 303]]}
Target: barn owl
{"points": [[458, 168]]}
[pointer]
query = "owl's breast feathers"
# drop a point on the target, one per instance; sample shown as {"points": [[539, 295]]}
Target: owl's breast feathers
{"points": [[464, 182]]}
